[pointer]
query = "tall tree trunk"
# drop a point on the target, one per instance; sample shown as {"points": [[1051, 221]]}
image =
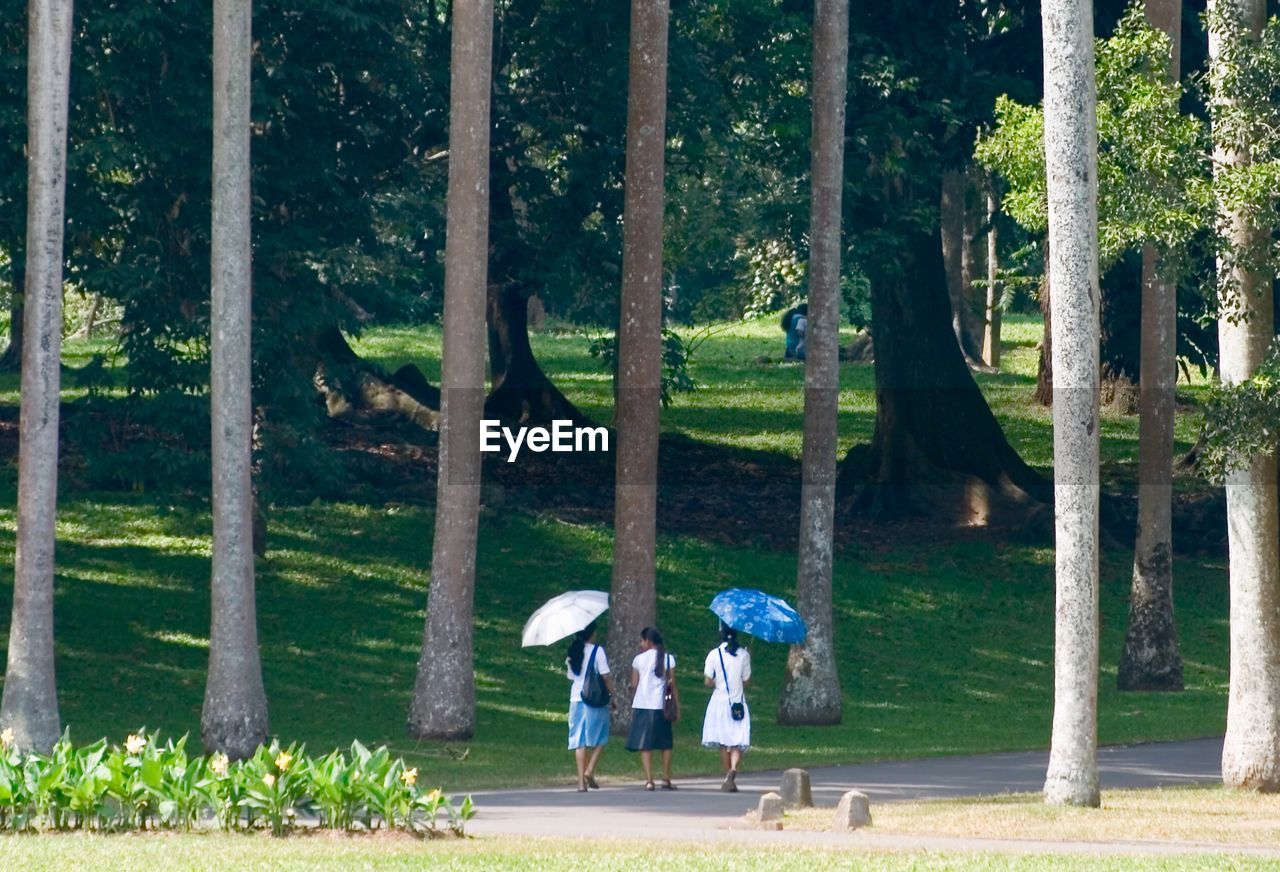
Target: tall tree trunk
{"points": [[952, 232], [639, 404], [811, 689], [91, 320], [991, 333], [1150, 660], [1071, 164], [444, 694], [1044, 369], [29, 705], [234, 719], [1251, 750], [11, 360]]}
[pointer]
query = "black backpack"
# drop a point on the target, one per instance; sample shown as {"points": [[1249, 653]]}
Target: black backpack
{"points": [[594, 692]]}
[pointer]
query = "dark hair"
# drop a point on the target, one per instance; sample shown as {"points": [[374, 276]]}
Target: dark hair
{"points": [[790, 315], [729, 636], [651, 635], [578, 647]]}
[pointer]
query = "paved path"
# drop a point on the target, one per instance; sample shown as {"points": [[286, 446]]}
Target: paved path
{"points": [[699, 812]]}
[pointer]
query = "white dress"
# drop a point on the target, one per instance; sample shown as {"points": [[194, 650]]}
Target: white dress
{"points": [[719, 729]]}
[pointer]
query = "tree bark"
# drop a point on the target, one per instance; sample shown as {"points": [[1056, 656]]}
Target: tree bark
{"points": [[991, 333], [29, 706], [351, 384], [520, 392], [444, 694], [639, 385], [1251, 749], [1044, 370], [234, 719], [952, 231], [1150, 660], [811, 687], [11, 360], [938, 451], [1071, 155]]}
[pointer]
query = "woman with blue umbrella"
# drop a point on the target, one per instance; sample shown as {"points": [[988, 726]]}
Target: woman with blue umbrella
{"points": [[727, 725]]}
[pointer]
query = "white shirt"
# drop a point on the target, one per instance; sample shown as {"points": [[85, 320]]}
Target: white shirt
{"points": [[602, 666], [649, 687], [736, 666]]}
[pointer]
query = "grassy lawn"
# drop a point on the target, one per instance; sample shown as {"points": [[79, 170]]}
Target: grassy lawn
{"points": [[1185, 814], [210, 851], [945, 645]]}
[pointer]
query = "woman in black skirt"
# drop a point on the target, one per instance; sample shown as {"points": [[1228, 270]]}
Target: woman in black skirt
{"points": [[651, 671]]}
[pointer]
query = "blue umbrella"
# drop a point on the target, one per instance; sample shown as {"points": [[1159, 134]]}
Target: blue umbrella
{"points": [[758, 614]]}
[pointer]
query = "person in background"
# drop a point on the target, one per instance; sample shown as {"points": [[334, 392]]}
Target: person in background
{"points": [[795, 323], [588, 726], [727, 725], [651, 671]]}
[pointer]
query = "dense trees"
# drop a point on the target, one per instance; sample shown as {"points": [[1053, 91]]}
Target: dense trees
{"points": [[234, 719], [811, 693], [1070, 138], [29, 706], [444, 704]]}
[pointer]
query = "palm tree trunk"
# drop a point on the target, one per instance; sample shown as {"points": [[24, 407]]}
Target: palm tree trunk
{"points": [[639, 404], [234, 719], [811, 688], [1071, 154], [1150, 660], [29, 705], [444, 693], [1251, 749]]}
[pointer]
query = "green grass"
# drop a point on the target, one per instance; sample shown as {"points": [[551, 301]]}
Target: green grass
{"points": [[944, 645], [210, 851]]}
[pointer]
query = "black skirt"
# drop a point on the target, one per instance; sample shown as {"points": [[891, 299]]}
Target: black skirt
{"points": [[650, 731]]}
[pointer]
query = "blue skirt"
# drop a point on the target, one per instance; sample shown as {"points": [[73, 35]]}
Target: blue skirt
{"points": [[588, 727]]}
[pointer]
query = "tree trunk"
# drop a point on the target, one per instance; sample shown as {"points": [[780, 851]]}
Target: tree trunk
{"points": [[11, 360], [639, 385], [234, 720], [29, 706], [811, 688], [991, 333], [521, 392], [975, 300], [1071, 164], [1150, 660], [444, 694], [1044, 370], [351, 384], [938, 451], [90, 321], [952, 212], [1251, 749]]}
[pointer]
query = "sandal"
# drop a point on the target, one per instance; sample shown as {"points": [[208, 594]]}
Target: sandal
{"points": [[648, 785], [591, 782], [667, 785]]}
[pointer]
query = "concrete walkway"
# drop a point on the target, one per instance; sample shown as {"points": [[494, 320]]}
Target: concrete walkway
{"points": [[699, 812]]}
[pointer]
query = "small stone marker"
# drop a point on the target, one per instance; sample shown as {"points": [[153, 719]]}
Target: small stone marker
{"points": [[796, 790], [769, 812], [853, 811]]}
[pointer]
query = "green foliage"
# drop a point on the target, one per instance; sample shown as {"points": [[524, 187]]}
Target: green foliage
{"points": [[677, 352], [1242, 421], [146, 785], [1153, 160]]}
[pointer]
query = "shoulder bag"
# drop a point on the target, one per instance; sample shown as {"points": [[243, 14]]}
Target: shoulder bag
{"points": [[670, 706], [594, 692], [737, 710]]}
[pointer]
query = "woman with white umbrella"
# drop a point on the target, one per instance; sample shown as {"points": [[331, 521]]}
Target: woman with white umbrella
{"points": [[574, 614], [588, 724]]}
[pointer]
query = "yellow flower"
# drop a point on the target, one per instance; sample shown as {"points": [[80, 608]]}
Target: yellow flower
{"points": [[269, 780], [135, 743], [218, 764], [434, 796], [409, 777], [6, 737], [283, 761]]}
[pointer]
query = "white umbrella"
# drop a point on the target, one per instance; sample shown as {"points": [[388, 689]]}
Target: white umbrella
{"points": [[563, 616]]}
